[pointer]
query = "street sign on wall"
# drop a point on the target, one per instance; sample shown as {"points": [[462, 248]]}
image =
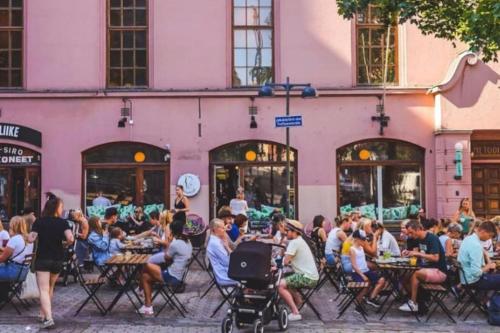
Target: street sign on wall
{"points": [[288, 121]]}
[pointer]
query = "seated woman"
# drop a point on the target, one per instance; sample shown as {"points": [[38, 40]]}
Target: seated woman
{"points": [[98, 241], [177, 258], [318, 234], [13, 254], [451, 240], [361, 272]]}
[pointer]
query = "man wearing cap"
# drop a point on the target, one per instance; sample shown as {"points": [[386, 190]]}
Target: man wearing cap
{"points": [[299, 256]]}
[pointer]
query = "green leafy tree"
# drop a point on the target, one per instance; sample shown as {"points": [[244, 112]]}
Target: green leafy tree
{"points": [[473, 22]]}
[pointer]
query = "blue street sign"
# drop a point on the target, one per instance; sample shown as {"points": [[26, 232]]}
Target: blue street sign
{"points": [[288, 121]]}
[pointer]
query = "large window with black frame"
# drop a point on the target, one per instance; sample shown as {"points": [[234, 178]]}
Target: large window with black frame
{"points": [[252, 34], [11, 43], [127, 51]]}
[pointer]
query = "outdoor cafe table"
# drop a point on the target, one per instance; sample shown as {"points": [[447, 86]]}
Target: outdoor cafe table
{"points": [[139, 249], [394, 273], [130, 266]]}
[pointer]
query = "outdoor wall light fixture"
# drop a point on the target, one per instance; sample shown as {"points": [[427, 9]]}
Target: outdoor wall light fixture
{"points": [[459, 169], [381, 117], [252, 112], [126, 114]]}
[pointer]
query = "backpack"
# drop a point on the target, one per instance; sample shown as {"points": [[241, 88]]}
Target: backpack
{"points": [[494, 310]]}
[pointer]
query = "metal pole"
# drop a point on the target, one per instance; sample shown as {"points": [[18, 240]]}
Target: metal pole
{"points": [[288, 176]]}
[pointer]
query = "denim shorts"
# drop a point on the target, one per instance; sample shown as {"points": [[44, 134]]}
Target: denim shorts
{"points": [[346, 263], [169, 279], [12, 271]]}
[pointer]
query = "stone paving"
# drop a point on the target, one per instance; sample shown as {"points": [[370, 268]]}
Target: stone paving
{"points": [[123, 319]]}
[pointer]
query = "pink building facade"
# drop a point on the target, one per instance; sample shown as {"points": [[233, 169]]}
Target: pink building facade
{"points": [[190, 118]]}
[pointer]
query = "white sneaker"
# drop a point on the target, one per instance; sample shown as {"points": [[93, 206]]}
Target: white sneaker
{"points": [[146, 310], [409, 307], [294, 317]]}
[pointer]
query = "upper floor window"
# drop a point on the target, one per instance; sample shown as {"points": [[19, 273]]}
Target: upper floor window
{"points": [[127, 52], [371, 36], [253, 27], [11, 43]]}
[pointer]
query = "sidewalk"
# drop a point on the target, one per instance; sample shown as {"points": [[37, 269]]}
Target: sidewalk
{"points": [[124, 320]]}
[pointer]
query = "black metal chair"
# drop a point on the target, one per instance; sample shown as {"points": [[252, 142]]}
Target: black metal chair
{"points": [[470, 298], [14, 288], [91, 286], [168, 293]]}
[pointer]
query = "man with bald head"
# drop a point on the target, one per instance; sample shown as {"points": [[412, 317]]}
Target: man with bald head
{"points": [[218, 251]]}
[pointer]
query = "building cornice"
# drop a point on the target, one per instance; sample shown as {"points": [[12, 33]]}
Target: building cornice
{"points": [[452, 131], [201, 93], [455, 72]]}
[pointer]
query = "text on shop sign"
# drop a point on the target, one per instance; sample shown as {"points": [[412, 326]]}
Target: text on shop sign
{"points": [[17, 155], [288, 121], [486, 149], [20, 133]]}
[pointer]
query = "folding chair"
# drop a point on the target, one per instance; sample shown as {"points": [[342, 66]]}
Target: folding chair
{"points": [[198, 243], [168, 293], [15, 288], [326, 273], [91, 286], [470, 298], [351, 290], [211, 283], [226, 291], [69, 263], [437, 294]]}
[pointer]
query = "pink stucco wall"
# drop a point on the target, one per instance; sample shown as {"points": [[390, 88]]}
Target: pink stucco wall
{"points": [[190, 45]]}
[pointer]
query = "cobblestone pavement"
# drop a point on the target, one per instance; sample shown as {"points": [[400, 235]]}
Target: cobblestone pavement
{"points": [[124, 320]]}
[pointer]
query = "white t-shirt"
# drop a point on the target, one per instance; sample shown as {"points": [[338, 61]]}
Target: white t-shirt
{"points": [[238, 206], [333, 242], [387, 242], [180, 251], [101, 201], [303, 260], [4, 235], [19, 248]]}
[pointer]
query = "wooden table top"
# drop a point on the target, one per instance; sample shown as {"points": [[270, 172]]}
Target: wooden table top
{"points": [[396, 266], [134, 259]]}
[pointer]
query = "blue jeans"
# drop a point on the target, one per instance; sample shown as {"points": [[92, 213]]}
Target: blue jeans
{"points": [[11, 272], [330, 259], [346, 263], [488, 282]]}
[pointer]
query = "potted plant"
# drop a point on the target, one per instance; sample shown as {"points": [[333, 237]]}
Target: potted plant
{"points": [[195, 228]]}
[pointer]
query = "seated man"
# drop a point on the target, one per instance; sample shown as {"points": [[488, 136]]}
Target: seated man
{"points": [[299, 256], [471, 257], [218, 251], [177, 257], [432, 257]]}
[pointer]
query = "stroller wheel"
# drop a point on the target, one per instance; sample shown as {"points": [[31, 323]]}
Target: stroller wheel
{"points": [[282, 318], [227, 325], [258, 327]]}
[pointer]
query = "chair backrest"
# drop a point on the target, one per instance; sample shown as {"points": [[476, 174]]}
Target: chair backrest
{"points": [[339, 270]]}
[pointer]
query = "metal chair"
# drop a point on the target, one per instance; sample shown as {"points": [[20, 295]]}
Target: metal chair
{"points": [[15, 288], [91, 286]]}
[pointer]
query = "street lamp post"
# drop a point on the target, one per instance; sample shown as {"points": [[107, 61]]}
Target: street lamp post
{"points": [[308, 91]]}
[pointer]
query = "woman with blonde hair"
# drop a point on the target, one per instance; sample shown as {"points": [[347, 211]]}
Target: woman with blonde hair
{"points": [[16, 249], [464, 215], [166, 217]]}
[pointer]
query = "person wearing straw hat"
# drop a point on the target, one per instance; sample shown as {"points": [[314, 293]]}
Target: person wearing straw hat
{"points": [[299, 256]]}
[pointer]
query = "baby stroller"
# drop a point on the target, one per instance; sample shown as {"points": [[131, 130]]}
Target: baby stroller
{"points": [[256, 297]]}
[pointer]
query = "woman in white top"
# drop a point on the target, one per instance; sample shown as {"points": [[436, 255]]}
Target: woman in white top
{"points": [[239, 204], [4, 236], [336, 237], [13, 254]]}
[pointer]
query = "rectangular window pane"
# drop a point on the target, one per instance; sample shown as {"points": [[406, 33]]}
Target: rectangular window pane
{"points": [[127, 43], [252, 44], [16, 78], [358, 187], [16, 39], [4, 59], [4, 78], [114, 183], [4, 18], [4, 39], [4, 3], [17, 18], [17, 59]]}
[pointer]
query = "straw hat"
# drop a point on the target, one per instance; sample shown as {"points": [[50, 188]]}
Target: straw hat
{"points": [[295, 226]]}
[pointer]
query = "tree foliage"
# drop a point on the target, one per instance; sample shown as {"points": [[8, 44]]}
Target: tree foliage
{"points": [[473, 22]]}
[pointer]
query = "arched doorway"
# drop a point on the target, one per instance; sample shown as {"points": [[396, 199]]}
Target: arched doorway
{"points": [[19, 180], [259, 167], [382, 178], [127, 173]]}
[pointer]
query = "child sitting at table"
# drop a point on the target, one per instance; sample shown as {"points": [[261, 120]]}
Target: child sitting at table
{"points": [[361, 272], [116, 244]]}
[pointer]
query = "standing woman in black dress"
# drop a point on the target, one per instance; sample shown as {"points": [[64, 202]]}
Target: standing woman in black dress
{"points": [[181, 204], [51, 231]]}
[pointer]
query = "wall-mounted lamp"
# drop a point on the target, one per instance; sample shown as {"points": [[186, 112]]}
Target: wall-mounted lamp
{"points": [[126, 114], [459, 169], [252, 112], [381, 117]]}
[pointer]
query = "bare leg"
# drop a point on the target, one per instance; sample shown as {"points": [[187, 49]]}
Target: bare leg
{"points": [[380, 284], [150, 274], [43, 281], [287, 297], [415, 281], [297, 298]]}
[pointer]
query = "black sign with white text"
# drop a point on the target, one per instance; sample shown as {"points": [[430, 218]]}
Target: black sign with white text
{"points": [[20, 133], [14, 155]]}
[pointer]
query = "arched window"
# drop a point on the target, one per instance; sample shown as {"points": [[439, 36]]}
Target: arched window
{"points": [[126, 173], [260, 169], [381, 178]]}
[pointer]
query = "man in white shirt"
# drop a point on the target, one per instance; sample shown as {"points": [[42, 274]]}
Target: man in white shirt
{"points": [[101, 200], [387, 242], [299, 256]]}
